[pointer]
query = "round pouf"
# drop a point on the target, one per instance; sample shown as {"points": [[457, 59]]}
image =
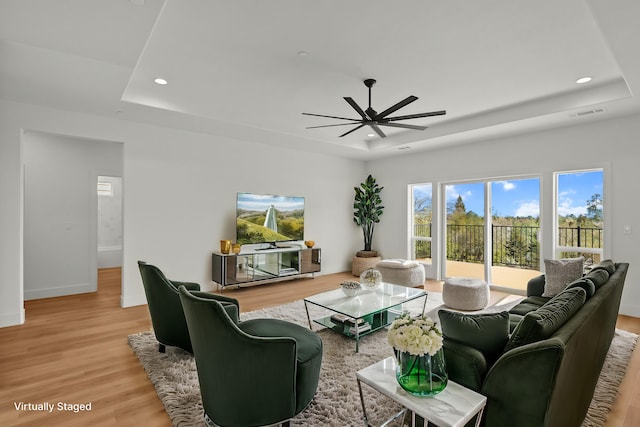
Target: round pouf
{"points": [[465, 293], [401, 272]]}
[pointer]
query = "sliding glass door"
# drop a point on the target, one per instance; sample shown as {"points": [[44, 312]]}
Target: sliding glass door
{"points": [[464, 236], [492, 231], [515, 232]]}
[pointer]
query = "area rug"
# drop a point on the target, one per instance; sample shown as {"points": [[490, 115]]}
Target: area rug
{"points": [[337, 402]]}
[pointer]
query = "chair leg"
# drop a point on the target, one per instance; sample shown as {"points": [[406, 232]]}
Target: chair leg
{"points": [[162, 348]]}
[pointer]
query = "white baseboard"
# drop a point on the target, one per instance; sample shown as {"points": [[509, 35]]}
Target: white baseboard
{"points": [[12, 319], [630, 310], [60, 291], [132, 301]]}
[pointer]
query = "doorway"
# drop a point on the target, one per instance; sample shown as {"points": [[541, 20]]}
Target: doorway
{"points": [[492, 231], [109, 231], [60, 211]]}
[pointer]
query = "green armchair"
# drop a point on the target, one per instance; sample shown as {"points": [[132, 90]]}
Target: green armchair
{"points": [[165, 308], [252, 373]]}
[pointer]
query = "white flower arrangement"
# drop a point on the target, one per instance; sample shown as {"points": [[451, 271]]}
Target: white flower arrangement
{"points": [[415, 335]]}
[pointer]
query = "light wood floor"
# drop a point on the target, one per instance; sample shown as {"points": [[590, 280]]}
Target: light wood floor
{"points": [[74, 350]]}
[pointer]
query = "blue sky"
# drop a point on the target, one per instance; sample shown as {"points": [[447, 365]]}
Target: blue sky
{"points": [[522, 197], [261, 202]]}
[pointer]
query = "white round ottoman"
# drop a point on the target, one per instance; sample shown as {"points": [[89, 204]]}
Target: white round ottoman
{"points": [[401, 272], [465, 293]]}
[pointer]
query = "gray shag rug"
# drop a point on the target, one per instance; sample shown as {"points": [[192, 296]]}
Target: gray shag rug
{"points": [[337, 402]]}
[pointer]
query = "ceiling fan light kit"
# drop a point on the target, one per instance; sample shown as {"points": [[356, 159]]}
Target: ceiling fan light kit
{"points": [[373, 119]]}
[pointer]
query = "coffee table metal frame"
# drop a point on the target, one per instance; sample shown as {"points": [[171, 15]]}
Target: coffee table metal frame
{"points": [[378, 307], [453, 407]]}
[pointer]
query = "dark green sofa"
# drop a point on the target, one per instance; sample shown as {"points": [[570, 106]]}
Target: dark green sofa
{"points": [[548, 382]]}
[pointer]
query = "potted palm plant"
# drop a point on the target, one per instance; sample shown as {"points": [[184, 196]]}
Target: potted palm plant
{"points": [[367, 210]]}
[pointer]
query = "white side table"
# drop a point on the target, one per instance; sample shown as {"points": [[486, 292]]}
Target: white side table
{"points": [[453, 407]]}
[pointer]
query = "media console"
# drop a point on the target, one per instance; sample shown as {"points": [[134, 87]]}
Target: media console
{"points": [[264, 266]]}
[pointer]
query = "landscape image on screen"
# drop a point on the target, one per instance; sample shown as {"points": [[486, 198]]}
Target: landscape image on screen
{"points": [[264, 218]]}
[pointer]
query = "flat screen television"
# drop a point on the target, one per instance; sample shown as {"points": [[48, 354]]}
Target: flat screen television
{"points": [[267, 218]]}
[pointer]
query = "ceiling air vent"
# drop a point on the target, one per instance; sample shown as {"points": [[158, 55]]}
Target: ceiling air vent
{"points": [[590, 112]]}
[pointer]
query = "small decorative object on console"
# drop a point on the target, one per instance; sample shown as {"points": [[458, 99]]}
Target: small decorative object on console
{"points": [[351, 288], [417, 343], [309, 243], [225, 246], [371, 278]]}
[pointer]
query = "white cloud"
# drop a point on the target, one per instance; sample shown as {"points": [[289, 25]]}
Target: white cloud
{"points": [[506, 185], [526, 209], [566, 207]]}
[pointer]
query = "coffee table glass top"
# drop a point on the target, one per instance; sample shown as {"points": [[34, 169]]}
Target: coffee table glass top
{"points": [[367, 302], [371, 310]]}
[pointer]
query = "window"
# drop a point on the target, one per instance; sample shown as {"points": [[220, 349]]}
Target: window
{"points": [[579, 215], [421, 222]]}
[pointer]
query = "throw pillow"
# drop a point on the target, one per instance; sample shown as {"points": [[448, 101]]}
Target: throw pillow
{"points": [[559, 273], [542, 323], [585, 283], [598, 276], [487, 332]]}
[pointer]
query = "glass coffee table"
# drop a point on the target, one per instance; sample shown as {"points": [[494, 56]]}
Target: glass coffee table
{"points": [[370, 310]]}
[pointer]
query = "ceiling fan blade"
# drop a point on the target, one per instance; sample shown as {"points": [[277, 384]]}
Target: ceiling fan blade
{"points": [[377, 130], [408, 100], [416, 116], [331, 117], [326, 126], [356, 107], [352, 130], [399, 125]]}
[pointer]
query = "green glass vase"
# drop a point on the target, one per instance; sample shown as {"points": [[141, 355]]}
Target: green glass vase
{"points": [[421, 375]]}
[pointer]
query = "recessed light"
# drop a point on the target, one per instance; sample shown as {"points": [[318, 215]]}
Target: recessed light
{"points": [[371, 135], [303, 53], [160, 81], [582, 80]]}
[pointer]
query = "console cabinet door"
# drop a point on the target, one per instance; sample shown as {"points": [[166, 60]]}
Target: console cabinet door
{"points": [[310, 261]]}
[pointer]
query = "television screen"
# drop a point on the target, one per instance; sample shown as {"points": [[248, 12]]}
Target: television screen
{"points": [[262, 218]]}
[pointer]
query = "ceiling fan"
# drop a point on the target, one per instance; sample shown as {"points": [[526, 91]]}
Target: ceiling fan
{"points": [[373, 119]]}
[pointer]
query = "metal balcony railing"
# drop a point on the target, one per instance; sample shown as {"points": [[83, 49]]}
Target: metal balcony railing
{"points": [[513, 246]]}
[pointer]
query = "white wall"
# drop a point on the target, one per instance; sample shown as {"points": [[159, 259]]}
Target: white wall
{"points": [[60, 211], [179, 196], [611, 144]]}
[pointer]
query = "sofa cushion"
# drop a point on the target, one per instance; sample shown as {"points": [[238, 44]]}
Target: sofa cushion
{"points": [[487, 332], [606, 264], [542, 323], [514, 320], [598, 276], [585, 283], [529, 304], [559, 273]]}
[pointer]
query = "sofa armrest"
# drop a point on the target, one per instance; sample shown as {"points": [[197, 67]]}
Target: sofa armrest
{"points": [[465, 365], [519, 385], [535, 286]]}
